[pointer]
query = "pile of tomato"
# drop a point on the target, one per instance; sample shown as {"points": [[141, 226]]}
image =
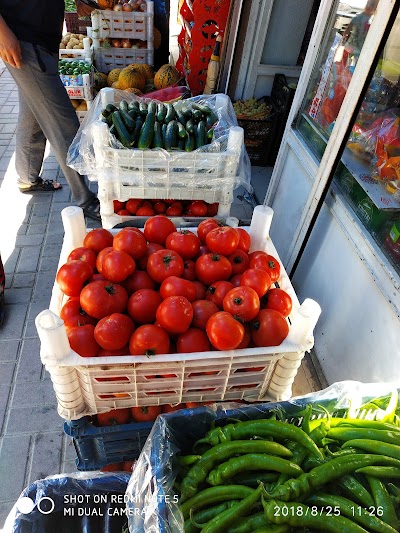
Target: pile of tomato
{"points": [[171, 208]]}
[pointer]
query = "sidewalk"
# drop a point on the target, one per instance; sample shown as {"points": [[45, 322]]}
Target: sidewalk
{"points": [[32, 442]]}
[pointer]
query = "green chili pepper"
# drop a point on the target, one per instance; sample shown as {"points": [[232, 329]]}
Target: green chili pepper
{"points": [[253, 480], [299, 515], [326, 473], [360, 423], [249, 523], [186, 460], [272, 528], [373, 446], [260, 428], [383, 501], [206, 515], [348, 433], [220, 453], [394, 492], [355, 490], [349, 509], [252, 461], [386, 472], [213, 495]]}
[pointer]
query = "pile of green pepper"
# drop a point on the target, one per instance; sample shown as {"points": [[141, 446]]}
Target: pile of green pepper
{"points": [[268, 475]]}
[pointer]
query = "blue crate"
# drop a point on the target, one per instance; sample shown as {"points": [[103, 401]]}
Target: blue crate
{"points": [[99, 446]]}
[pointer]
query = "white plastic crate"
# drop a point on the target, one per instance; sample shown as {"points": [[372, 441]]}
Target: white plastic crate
{"points": [[107, 59], [80, 86], [85, 386], [132, 25], [85, 53]]}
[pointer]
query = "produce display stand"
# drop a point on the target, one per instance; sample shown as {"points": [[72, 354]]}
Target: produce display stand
{"points": [[249, 374]]}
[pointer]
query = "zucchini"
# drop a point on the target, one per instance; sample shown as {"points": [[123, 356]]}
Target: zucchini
{"points": [[200, 134], [124, 136], [190, 126], [143, 108], [161, 112], [171, 139], [157, 137], [127, 119], [189, 143], [170, 113], [147, 131], [111, 108], [202, 108], [197, 115], [181, 117], [181, 131], [138, 127]]}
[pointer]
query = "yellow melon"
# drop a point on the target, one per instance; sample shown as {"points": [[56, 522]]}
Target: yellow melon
{"points": [[166, 76], [100, 80], [115, 85], [131, 77], [113, 76], [157, 38]]}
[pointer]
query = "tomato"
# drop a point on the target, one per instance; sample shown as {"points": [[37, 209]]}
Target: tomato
{"points": [[145, 414], [279, 300], [112, 467], [174, 286], [246, 338], [212, 209], [244, 240], [268, 263], [235, 280], [138, 280], [123, 213], [114, 417], [143, 304], [203, 251], [198, 208], [213, 267], [159, 208], [184, 242], [222, 240], [171, 408], [243, 303], [127, 466], [72, 276], [200, 290], [224, 332], [83, 254], [103, 298], [205, 226], [73, 314], [114, 331], [117, 266], [145, 211], [100, 258], [151, 248], [269, 328], [82, 341], [193, 340], [193, 405], [121, 351], [175, 314], [217, 291], [239, 261], [202, 311], [164, 263], [157, 228], [189, 270], [97, 239], [175, 210], [133, 204], [131, 242], [118, 206], [257, 279], [149, 340]]}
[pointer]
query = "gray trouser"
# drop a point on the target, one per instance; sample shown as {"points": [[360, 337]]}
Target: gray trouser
{"points": [[45, 112]]}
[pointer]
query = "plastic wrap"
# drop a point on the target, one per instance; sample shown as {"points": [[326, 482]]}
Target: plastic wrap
{"points": [[92, 501], [150, 489], [222, 164]]}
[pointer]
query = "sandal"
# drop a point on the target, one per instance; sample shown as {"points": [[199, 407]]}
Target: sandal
{"points": [[92, 209], [41, 185]]}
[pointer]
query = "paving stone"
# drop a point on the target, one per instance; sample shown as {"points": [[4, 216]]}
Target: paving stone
{"points": [[29, 240], [9, 350], [30, 329], [38, 393], [46, 456], [22, 230], [18, 296], [32, 419], [14, 451], [29, 259], [6, 373], [24, 280], [37, 229], [10, 264], [50, 264], [52, 250], [9, 128], [30, 366], [13, 325], [4, 395], [36, 307], [44, 286]]}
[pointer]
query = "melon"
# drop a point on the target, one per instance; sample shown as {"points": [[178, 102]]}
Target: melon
{"points": [[166, 76], [157, 38], [100, 80], [113, 76], [115, 85], [131, 77], [149, 87], [106, 4], [133, 91], [146, 70]]}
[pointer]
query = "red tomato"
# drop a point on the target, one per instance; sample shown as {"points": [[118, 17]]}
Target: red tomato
{"points": [[127, 466], [117, 266], [157, 228], [257, 279], [123, 213], [72, 276], [131, 242], [189, 270], [246, 339], [145, 414], [205, 226], [268, 263], [212, 209], [217, 292], [243, 303], [164, 263], [269, 328], [203, 251], [83, 254], [159, 208], [174, 286], [200, 290], [175, 209], [244, 240], [73, 314], [114, 417], [198, 208], [279, 300], [145, 211], [224, 332], [82, 341], [184, 242], [235, 280], [112, 467], [192, 405], [175, 314], [193, 340], [202, 311], [172, 408], [121, 351], [143, 304], [118, 206], [138, 280], [213, 267], [222, 240], [133, 204], [100, 258], [151, 248], [114, 331], [97, 239], [103, 298], [239, 261], [149, 340]]}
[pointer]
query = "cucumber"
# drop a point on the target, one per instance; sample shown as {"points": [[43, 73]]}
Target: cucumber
{"points": [[197, 115], [111, 108], [170, 113], [190, 126], [189, 143], [181, 144], [143, 108], [105, 113], [181, 131], [181, 117], [152, 107], [157, 137], [138, 127], [147, 131], [187, 112], [163, 133], [203, 108], [127, 119], [133, 105], [161, 112], [123, 106], [113, 130], [171, 139], [200, 134], [210, 135], [124, 136], [133, 112], [210, 121]]}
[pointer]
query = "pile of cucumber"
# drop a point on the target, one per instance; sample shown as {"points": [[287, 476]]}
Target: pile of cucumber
{"points": [[161, 125]]}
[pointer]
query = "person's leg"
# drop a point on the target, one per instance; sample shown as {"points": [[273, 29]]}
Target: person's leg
{"points": [[40, 86]]}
